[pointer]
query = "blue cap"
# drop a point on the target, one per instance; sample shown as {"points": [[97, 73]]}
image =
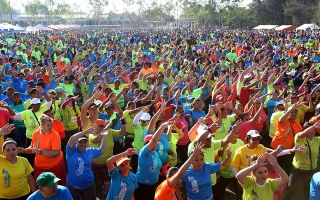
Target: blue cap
{"points": [[189, 97]]}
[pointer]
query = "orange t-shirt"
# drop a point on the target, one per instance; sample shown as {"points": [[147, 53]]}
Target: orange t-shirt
{"points": [[314, 120], [47, 141], [60, 66], [46, 79], [168, 111], [59, 128], [164, 191], [146, 71], [284, 134]]}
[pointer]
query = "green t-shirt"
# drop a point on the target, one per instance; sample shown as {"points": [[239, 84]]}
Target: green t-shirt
{"points": [[173, 146], [139, 134], [68, 88], [70, 117], [30, 121], [222, 132], [112, 134], [301, 160], [252, 191], [196, 93], [120, 101], [36, 54], [227, 172]]}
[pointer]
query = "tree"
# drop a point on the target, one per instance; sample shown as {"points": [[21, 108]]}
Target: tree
{"points": [[35, 9], [300, 11], [97, 8], [4, 7]]}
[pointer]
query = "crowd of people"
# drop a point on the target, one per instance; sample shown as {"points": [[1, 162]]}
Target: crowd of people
{"points": [[160, 114]]}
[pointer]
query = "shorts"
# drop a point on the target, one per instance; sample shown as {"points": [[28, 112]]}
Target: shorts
{"points": [[104, 172]]}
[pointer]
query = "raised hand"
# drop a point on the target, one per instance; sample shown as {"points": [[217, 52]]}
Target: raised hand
{"points": [[298, 148], [130, 151], [6, 129], [271, 160], [261, 159]]}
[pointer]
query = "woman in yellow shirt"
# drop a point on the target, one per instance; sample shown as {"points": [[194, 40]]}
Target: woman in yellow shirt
{"points": [[16, 180]]}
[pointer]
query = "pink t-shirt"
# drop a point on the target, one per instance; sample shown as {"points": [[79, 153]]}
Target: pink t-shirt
{"points": [[243, 130], [180, 123], [4, 116], [259, 124]]}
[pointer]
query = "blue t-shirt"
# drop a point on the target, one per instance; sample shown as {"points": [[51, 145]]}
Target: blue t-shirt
{"points": [[20, 85], [195, 115], [163, 148], [149, 165], [122, 187], [62, 193], [198, 182], [315, 187], [79, 166]]}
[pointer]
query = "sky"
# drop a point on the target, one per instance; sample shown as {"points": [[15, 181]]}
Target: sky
{"points": [[114, 5]]}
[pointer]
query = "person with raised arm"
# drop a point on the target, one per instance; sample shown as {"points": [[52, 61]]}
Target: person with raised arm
{"points": [[258, 185], [80, 179]]}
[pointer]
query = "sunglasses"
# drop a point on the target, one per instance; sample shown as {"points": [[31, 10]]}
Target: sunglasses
{"points": [[281, 109], [109, 108], [143, 121], [255, 139]]}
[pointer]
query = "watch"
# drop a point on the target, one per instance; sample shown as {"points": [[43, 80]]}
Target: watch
{"points": [[40, 151]]}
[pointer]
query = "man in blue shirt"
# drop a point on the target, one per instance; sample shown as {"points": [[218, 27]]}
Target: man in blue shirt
{"points": [[49, 188]]}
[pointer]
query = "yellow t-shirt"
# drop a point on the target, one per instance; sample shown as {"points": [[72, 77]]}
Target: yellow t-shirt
{"points": [[243, 155], [301, 160], [30, 121], [209, 155], [252, 191], [274, 122], [70, 117], [13, 182], [168, 80], [112, 134]]}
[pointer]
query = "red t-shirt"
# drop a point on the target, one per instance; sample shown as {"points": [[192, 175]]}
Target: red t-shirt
{"points": [[244, 95]]}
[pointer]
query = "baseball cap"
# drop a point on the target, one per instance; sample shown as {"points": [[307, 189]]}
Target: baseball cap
{"points": [[202, 130], [96, 103], [109, 104], [318, 106], [280, 103], [292, 73], [82, 138], [47, 179], [99, 122], [145, 117], [59, 89], [35, 101], [219, 98], [247, 76], [189, 97], [121, 160], [147, 138], [253, 133]]}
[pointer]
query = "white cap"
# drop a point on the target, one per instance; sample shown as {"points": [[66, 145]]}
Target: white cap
{"points": [[247, 76], [253, 133], [292, 73], [318, 106], [202, 130], [98, 102], [35, 101], [145, 117]]}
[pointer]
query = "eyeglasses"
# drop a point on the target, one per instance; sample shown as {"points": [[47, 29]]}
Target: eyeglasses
{"points": [[281, 109], [109, 108], [255, 139], [143, 121]]}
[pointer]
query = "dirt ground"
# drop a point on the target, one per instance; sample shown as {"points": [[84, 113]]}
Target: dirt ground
{"points": [[229, 195]]}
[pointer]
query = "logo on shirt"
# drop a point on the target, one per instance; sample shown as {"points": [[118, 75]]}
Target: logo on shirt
{"points": [[122, 192], [194, 185], [80, 169], [154, 166], [160, 149], [255, 195], [6, 179]]}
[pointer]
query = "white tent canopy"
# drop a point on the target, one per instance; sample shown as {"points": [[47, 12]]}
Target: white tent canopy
{"points": [[40, 27], [10, 27], [31, 29], [310, 26], [265, 27]]}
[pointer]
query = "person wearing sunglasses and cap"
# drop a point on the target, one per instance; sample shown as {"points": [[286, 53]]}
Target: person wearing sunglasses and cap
{"points": [[80, 178], [49, 188], [121, 176]]}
